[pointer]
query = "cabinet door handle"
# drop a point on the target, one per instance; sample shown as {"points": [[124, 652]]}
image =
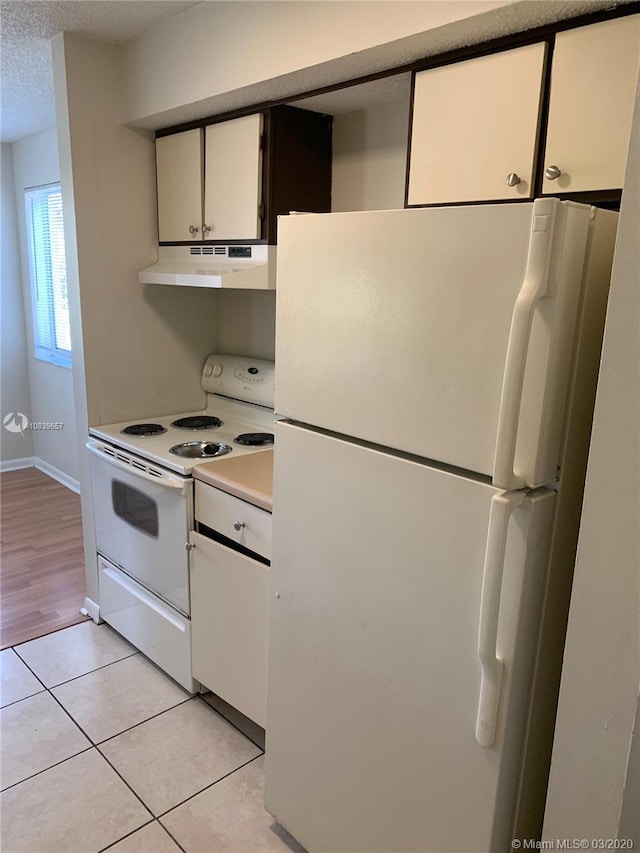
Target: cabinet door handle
{"points": [[238, 525], [513, 180], [552, 173], [193, 229], [205, 230]]}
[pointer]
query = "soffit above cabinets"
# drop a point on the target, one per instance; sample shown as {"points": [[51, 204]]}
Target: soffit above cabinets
{"points": [[363, 96]]}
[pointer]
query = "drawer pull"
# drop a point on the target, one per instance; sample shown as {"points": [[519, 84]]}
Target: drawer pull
{"points": [[238, 525]]}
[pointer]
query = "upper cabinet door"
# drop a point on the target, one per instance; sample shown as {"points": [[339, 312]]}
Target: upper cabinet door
{"points": [[593, 83], [233, 179], [179, 174], [474, 128]]}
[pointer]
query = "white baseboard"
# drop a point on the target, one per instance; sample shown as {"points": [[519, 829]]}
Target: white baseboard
{"points": [[92, 609], [57, 474], [45, 467], [17, 464]]}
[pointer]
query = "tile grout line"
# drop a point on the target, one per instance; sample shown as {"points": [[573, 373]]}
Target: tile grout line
{"points": [[30, 696], [48, 634], [142, 722], [171, 835], [128, 835], [32, 673], [206, 787], [133, 832], [82, 674], [51, 766], [117, 772], [96, 745], [92, 744]]}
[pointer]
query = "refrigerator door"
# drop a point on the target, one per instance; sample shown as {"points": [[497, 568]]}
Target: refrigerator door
{"points": [[443, 332], [391, 613]]}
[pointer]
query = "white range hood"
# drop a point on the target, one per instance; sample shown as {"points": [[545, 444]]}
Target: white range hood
{"points": [[246, 267]]}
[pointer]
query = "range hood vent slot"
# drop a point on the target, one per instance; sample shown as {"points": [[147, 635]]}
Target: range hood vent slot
{"points": [[239, 267]]}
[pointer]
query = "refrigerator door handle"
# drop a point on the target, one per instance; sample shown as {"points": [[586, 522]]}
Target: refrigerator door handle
{"points": [[534, 287], [502, 506]]}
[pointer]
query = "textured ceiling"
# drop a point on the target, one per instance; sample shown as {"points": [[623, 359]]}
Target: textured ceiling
{"points": [[27, 27], [26, 30]]}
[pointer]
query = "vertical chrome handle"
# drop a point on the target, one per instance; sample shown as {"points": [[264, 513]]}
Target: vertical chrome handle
{"points": [[534, 287], [513, 179], [193, 229], [502, 506], [552, 173]]}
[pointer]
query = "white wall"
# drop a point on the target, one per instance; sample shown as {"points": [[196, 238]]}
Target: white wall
{"points": [[601, 668], [14, 381], [247, 323], [143, 346], [370, 158], [217, 48], [36, 164]]}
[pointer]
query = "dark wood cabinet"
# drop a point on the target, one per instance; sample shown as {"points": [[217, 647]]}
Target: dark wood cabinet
{"points": [[280, 162]]}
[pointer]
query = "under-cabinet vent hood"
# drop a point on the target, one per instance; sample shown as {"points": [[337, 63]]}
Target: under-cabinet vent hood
{"points": [[246, 267]]}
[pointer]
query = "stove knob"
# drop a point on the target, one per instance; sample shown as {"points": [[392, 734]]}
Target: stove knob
{"points": [[208, 370], [217, 369]]}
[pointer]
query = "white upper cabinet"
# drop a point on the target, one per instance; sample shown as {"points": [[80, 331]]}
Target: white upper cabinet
{"points": [[593, 83], [474, 128], [210, 182], [233, 179], [179, 166]]}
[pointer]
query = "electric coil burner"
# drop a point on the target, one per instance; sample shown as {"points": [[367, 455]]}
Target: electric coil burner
{"points": [[197, 422], [143, 430], [254, 439]]}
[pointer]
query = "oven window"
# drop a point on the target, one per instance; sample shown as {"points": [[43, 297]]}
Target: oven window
{"points": [[134, 507]]}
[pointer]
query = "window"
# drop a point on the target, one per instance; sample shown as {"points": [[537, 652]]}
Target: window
{"points": [[52, 335]]}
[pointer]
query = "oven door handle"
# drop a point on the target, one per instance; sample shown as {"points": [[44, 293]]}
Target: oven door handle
{"points": [[166, 480]]}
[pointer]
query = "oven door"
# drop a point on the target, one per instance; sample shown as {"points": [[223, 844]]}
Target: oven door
{"points": [[142, 521]]}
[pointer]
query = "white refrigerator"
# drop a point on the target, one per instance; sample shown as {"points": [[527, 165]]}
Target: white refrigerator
{"points": [[435, 377]]}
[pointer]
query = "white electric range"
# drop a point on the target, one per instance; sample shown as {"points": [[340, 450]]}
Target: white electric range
{"points": [[142, 489]]}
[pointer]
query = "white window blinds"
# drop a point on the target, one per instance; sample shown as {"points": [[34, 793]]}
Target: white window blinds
{"points": [[48, 268]]}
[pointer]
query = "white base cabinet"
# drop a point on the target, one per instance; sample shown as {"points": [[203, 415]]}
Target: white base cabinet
{"points": [[230, 597]]}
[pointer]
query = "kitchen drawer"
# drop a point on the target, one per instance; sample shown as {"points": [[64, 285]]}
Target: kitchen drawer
{"points": [[230, 595], [159, 631], [220, 511]]}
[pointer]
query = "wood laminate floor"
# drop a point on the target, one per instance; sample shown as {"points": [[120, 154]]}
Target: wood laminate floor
{"points": [[42, 581]]}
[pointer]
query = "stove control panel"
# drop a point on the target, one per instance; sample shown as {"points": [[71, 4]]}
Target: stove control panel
{"points": [[242, 378]]}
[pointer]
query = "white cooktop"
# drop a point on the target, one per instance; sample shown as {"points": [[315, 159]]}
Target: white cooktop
{"points": [[236, 417], [239, 393]]}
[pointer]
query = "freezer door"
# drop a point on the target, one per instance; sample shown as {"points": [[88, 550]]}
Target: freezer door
{"points": [[375, 681], [443, 332]]}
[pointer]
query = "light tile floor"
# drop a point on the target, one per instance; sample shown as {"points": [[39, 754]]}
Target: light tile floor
{"points": [[100, 750]]}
